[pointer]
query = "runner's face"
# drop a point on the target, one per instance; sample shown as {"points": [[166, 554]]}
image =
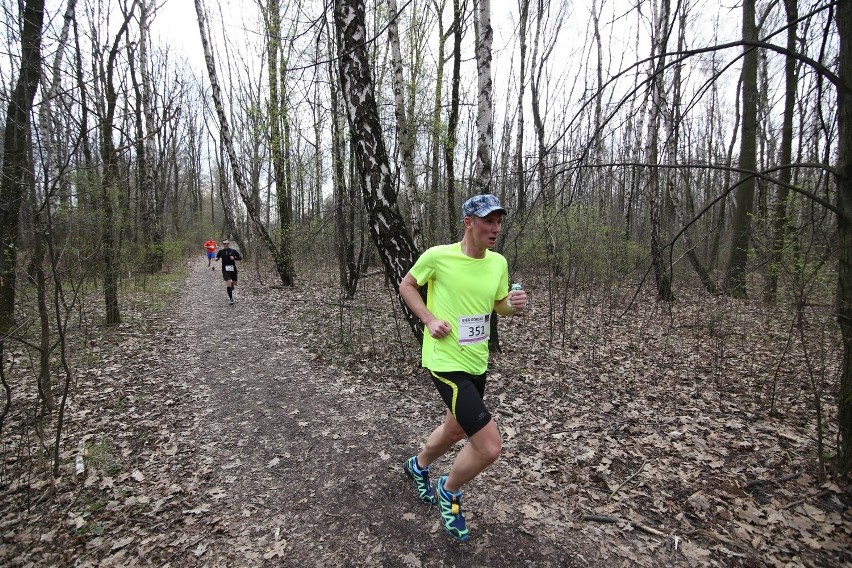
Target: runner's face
{"points": [[487, 229]]}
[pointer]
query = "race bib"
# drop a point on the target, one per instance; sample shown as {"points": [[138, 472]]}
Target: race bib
{"points": [[229, 268], [474, 329]]}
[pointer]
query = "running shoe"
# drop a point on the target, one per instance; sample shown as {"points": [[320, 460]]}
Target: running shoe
{"points": [[231, 302], [452, 518], [420, 477]]}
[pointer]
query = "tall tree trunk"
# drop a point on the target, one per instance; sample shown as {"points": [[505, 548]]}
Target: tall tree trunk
{"points": [[88, 176], [285, 190], [844, 231], [484, 107], [230, 223], [109, 183], [779, 216], [49, 124], [434, 199], [387, 226], [662, 268], [278, 146], [599, 81], [520, 184], [319, 131], [406, 139], [673, 120], [343, 194], [152, 223], [735, 274], [452, 125], [721, 219], [45, 389], [278, 257], [47, 121], [17, 172], [538, 121], [547, 27]]}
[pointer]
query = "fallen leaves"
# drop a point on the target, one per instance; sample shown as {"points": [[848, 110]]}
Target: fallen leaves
{"points": [[640, 440]]}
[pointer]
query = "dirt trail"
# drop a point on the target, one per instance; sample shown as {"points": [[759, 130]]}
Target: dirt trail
{"points": [[271, 433], [300, 465]]}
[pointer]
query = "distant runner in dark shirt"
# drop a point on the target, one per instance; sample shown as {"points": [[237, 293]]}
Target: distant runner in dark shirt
{"points": [[229, 256]]}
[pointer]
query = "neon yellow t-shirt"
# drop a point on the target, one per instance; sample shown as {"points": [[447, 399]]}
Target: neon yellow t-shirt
{"points": [[461, 290]]}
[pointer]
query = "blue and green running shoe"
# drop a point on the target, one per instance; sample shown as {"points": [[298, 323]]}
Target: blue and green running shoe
{"points": [[449, 504], [420, 477]]}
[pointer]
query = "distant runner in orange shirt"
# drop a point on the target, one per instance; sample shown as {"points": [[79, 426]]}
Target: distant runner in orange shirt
{"points": [[210, 246]]}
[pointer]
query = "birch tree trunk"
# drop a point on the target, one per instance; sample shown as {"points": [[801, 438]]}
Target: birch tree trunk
{"points": [[387, 226], [406, 140], [599, 80], [17, 172], [673, 120], [484, 115], [151, 212], [662, 269], [228, 145]]}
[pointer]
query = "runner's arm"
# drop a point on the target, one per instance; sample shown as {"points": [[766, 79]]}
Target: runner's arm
{"points": [[409, 290], [518, 302]]}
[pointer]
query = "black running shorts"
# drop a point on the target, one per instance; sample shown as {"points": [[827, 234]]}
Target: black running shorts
{"points": [[463, 394]]}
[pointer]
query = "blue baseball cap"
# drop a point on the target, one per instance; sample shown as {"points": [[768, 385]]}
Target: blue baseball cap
{"points": [[482, 205]]}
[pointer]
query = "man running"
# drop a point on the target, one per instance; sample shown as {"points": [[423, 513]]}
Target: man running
{"points": [[465, 282], [229, 257], [210, 246]]}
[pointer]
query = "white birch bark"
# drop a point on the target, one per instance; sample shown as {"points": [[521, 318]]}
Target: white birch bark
{"points": [[406, 141], [662, 272], [151, 200], [228, 144], [46, 117], [387, 226], [484, 114]]}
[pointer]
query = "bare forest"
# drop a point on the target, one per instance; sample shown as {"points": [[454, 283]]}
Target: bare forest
{"points": [[678, 180]]}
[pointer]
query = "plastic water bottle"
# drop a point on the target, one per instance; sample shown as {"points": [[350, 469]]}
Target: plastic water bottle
{"points": [[515, 286]]}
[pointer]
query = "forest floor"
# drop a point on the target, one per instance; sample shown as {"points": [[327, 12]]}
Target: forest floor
{"points": [[272, 433]]}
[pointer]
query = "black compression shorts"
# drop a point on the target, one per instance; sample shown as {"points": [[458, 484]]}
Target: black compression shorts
{"points": [[463, 394]]}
